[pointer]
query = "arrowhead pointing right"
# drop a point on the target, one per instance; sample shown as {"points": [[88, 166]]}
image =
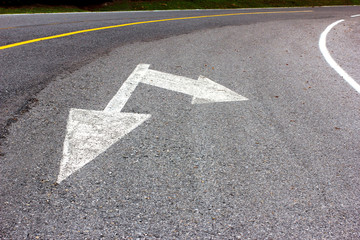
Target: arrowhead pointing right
{"points": [[90, 133], [214, 92]]}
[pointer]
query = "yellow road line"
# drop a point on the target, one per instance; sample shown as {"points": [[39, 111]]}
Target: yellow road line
{"points": [[7, 28], [137, 23]]}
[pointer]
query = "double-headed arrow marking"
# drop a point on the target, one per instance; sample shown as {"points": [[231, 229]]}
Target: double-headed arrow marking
{"points": [[90, 133]]}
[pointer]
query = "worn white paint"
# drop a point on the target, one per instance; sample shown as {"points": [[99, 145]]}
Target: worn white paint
{"points": [[202, 90], [331, 61], [357, 15], [89, 133], [128, 87]]}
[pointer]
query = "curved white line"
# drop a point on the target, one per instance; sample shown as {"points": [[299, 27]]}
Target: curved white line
{"points": [[357, 15], [331, 61]]}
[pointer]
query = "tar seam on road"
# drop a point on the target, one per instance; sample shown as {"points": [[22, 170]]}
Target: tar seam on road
{"points": [[137, 23], [331, 61]]}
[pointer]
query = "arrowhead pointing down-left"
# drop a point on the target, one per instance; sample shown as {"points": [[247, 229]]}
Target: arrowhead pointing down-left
{"points": [[90, 133]]}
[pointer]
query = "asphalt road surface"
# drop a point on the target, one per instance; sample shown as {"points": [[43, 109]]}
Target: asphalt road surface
{"points": [[112, 134]]}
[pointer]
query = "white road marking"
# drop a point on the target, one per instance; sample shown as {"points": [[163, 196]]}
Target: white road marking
{"points": [[203, 90], [357, 15], [89, 133], [331, 61], [128, 87]]}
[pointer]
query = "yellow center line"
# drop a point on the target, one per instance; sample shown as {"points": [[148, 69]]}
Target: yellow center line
{"points": [[137, 23], [7, 28]]}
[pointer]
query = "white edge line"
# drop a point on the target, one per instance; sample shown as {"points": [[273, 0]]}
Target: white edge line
{"points": [[331, 61], [357, 15]]}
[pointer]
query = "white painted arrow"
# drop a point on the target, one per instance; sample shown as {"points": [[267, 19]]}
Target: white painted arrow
{"points": [[90, 133]]}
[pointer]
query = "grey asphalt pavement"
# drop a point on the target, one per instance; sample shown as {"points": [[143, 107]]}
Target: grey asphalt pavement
{"points": [[282, 165]]}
